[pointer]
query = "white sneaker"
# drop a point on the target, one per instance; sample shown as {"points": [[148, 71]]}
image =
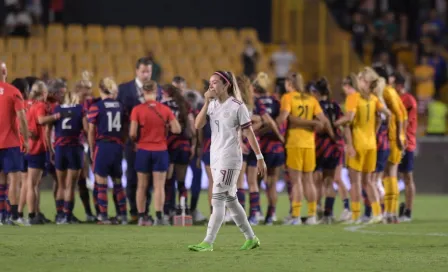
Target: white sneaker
{"points": [[293, 221], [259, 216], [228, 218], [91, 218], [345, 215], [23, 222], [375, 220], [365, 219], [405, 219], [327, 220], [274, 217], [311, 221], [198, 216]]}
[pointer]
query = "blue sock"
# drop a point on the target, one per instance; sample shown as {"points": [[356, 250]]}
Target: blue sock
{"points": [[329, 203], [346, 204]]}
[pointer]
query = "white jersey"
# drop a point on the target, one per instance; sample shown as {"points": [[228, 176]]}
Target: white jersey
{"points": [[225, 121]]}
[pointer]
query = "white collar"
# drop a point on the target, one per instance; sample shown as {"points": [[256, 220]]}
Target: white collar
{"points": [[139, 83]]}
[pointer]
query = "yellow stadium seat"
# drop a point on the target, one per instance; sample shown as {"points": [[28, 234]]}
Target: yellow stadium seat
{"points": [[115, 47], [124, 75], [95, 33], [170, 35], [8, 59], [75, 33], [168, 74], [202, 63], [55, 32], [102, 60], [205, 73], [164, 61], [2, 45], [95, 47], [16, 45], [83, 62], [24, 64], [237, 65], [182, 60], [234, 50], [222, 63], [132, 34], [186, 71], [35, 45], [194, 49], [197, 84], [156, 48], [228, 35], [123, 62], [135, 49], [64, 70], [151, 35], [43, 62], [190, 35], [76, 46], [113, 34], [174, 49], [55, 46], [105, 71], [214, 50], [248, 33], [209, 35]]}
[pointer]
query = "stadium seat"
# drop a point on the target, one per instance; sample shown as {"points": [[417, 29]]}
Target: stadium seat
{"points": [[76, 46], [113, 34], [204, 73], [174, 49], [24, 65], [234, 50], [115, 47], [16, 45], [156, 48], [124, 75], [135, 49], [95, 47], [168, 74], [132, 34], [203, 63], [164, 61], [2, 45], [194, 49], [75, 33], [190, 35], [222, 63], [64, 69], [8, 59], [123, 62], [35, 45], [55, 32], [170, 35], [151, 35], [43, 62], [209, 35], [95, 33], [228, 36], [214, 50], [103, 71], [55, 46], [248, 33], [83, 62]]}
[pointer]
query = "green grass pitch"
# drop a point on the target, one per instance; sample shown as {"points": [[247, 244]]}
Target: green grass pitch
{"points": [[418, 246]]}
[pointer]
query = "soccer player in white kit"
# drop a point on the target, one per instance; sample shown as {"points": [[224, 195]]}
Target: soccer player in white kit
{"points": [[228, 116]]}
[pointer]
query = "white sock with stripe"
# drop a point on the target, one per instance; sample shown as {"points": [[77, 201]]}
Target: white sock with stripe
{"points": [[239, 217], [217, 217]]}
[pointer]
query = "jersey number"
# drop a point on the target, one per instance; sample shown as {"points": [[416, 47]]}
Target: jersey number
{"points": [[65, 124], [303, 110], [114, 122], [217, 124]]}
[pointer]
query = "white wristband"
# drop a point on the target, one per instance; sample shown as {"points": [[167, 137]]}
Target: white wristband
{"points": [[259, 156]]}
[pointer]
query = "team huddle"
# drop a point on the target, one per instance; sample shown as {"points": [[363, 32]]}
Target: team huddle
{"points": [[237, 129]]}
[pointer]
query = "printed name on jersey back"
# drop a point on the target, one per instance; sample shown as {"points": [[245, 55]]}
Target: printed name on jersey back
{"points": [[109, 105], [68, 106]]}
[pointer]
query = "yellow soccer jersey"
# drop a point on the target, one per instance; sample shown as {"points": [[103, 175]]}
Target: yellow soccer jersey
{"points": [[395, 105], [303, 106], [363, 124]]}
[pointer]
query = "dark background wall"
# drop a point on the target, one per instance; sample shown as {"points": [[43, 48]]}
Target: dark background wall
{"points": [[179, 13]]}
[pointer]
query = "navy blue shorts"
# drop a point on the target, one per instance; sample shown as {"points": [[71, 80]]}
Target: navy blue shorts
{"points": [[251, 159], [148, 161], [50, 166], [274, 160], [23, 163], [329, 163], [179, 156], [206, 158], [69, 157], [407, 162], [11, 160], [38, 161], [381, 160], [107, 160]]}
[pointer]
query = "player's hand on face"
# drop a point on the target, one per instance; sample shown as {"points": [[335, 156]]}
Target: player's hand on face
{"points": [[209, 94], [262, 169]]}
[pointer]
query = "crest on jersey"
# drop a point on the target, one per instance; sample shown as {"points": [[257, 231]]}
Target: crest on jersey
{"points": [[226, 114]]}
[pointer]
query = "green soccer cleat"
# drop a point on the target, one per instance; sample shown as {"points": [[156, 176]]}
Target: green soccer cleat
{"points": [[251, 244], [204, 246]]}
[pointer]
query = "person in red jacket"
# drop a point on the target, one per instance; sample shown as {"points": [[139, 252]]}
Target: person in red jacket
{"points": [[13, 123], [149, 122], [406, 166]]}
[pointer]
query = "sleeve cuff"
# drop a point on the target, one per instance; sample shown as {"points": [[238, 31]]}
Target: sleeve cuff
{"points": [[246, 125]]}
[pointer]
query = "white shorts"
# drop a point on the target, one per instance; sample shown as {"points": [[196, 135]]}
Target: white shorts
{"points": [[225, 180]]}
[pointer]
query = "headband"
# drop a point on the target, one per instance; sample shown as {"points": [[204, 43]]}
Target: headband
{"points": [[223, 76]]}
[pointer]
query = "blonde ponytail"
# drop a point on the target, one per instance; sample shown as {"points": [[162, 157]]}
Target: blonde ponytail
{"points": [[86, 81], [243, 85], [108, 86], [261, 82], [71, 97]]}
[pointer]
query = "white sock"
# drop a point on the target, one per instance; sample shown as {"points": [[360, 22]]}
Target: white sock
{"points": [[239, 217], [217, 217]]}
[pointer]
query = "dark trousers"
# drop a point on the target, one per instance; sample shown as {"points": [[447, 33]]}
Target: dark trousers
{"points": [[131, 176], [195, 183], [280, 85]]}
